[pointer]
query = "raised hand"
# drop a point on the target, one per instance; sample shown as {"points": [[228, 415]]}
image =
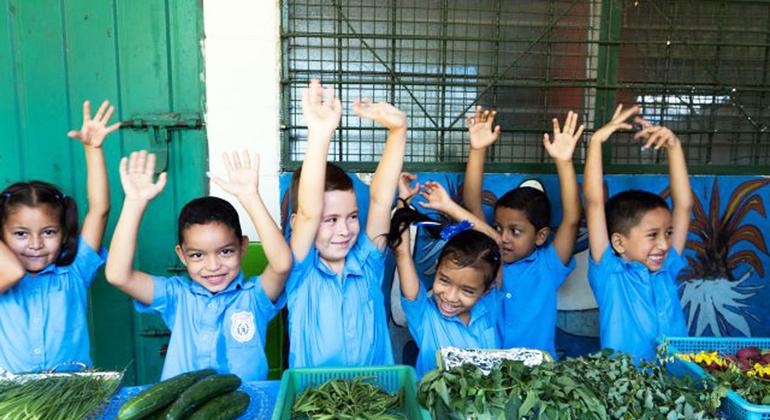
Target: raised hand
{"points": [[656, 136], [564, 140], [136, 175], [436, 197], [480, 128], [382, 113], [93, 131], [243, 176], [321, 109], [405, 192], [618, 122]]}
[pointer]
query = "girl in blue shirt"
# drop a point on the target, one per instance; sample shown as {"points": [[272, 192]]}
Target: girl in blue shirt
{"points": [[461, 312], [46, 267]]}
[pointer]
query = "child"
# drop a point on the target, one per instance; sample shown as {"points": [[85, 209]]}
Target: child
{"points": [[334, 293], [46, 267], [636, 251], [459, 314], [532, 270], [217, 317]]}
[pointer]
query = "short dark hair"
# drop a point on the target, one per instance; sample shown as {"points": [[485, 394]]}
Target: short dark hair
{"points": [[38, 194], [531, 201], [474, 249], [336, 180], [625, 210], [205, 210]]}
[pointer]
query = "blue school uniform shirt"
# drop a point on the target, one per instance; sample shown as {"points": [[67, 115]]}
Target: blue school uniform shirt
{"points": [[529, 309], [224, 331], [636, 305], [337, 321], [43, 318], [432, 330]]}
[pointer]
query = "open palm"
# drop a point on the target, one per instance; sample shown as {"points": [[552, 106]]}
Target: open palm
{"points": [[94, 130], [136, 176], [243, 176], [480, 128], [382, 113], [564, 139], [321, 109], [618, 122]]}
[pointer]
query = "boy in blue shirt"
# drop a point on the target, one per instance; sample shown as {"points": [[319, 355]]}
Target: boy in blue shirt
{"points": [[334, 293], [636, 245], [532, 270], [217, 318]]}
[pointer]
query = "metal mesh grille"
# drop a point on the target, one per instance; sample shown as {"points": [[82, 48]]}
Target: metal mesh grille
{"points": [[698, 66]]}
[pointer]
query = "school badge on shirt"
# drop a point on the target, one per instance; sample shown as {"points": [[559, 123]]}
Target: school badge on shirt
{"points": [[242, 326]]}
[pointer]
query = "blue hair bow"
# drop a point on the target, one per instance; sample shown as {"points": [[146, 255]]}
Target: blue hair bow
{"points": [[453, 229]]}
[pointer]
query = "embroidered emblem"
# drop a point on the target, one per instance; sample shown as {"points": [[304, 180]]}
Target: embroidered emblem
{"points": [[242, 326]]}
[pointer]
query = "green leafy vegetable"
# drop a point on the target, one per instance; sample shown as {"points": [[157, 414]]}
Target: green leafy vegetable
{"points": [[600, 386], [347, 399], [57, 397]]}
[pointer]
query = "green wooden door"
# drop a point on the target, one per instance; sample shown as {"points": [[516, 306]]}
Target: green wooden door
{"points": [[145, 57]]}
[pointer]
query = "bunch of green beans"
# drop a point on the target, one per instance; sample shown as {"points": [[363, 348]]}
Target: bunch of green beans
{"points": [[347, 399], [60, 397]]}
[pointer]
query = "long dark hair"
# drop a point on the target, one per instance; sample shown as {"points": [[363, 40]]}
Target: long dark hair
{"points": [[37, 194], [469, 248]]}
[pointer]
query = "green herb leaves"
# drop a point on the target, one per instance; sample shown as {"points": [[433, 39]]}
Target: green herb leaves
{"points": [[347, 399]]}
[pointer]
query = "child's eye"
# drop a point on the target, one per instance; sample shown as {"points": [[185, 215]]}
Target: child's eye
{"points": [[20, 235], [50, 232], [499, 229], [195, 255], [469, 292], [442, 280], [331, 220], [227, 251], [669, 232], [353, 216]]}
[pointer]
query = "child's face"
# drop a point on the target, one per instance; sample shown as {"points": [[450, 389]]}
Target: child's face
{"points": [[339, 226], [456, 289], [34, 235], [212, 255], [519, 236], [648, 242]]}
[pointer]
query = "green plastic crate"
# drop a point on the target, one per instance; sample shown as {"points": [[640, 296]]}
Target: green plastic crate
{"points": [[391, 378], [252, 264]]}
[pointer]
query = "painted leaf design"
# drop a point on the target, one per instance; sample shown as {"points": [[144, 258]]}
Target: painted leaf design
{"points": [[747, 257], [748, 233]]}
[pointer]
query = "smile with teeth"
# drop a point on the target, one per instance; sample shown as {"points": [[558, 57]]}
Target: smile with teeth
{"points": [[447, 308], [218, 278]]}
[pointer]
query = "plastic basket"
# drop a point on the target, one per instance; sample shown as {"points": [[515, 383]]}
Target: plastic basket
{"points": [[733, 406], [391, 378]]}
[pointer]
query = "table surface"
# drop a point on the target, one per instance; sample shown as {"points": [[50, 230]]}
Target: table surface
{"points": [[263, 395]]}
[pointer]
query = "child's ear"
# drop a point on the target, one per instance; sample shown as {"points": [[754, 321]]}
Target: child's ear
{"points": [[292, 218], [617, 241], [180, 254], [542, 235], [244, 244]]}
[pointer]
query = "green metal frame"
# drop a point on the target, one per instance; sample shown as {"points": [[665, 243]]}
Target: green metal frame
{"points": [[372, 40]]}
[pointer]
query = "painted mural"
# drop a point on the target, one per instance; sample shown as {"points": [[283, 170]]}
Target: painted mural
{"points": [[724, 290]]}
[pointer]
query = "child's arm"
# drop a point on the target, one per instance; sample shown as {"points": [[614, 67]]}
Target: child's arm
{"points": [[593, 188], [481, 136], [681, 195], [386, 176], [438, 199], [92, 135], [322, 113], [561, 151], [407, 273], [243, 183], [136, 176], [12, 270]]}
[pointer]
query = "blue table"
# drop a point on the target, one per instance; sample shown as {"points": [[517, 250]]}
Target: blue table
{"points": [[263, 395]]}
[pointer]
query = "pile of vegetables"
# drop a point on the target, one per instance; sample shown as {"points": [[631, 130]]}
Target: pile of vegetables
{"points": [[747, 373], [347, 399], [197, 395], [601, 386], [56, 396]]}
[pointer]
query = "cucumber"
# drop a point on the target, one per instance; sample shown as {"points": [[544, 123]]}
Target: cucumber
{"points": [[223, 407], [160, 395], [200, 392]]}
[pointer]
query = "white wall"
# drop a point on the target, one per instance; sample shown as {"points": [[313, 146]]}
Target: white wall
{"points": [[242, 58]]}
